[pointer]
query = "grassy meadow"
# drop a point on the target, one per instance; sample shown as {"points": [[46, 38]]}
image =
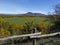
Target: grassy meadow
{"points": [[22, 20]]}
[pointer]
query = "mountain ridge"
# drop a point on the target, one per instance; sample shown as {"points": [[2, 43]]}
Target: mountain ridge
{"points": [[25, 14]]}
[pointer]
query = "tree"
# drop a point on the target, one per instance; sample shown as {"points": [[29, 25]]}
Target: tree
{"points": [[57, 9], [55, 19]]}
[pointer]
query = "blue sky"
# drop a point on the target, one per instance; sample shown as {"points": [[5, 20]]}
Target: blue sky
{"points": [[23, 6]]}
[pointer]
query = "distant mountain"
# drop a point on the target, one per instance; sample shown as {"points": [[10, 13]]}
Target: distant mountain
{"points": [[35, 14], [26, 14]]}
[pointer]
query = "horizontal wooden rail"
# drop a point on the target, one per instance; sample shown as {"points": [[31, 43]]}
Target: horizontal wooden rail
{"points": [[45, 35], [16, 36]]}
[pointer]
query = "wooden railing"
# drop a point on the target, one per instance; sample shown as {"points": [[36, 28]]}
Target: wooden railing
{"points": [[34, 35]]}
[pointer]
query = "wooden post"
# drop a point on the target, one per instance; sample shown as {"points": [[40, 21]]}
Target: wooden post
{"points": [[34, 40]]}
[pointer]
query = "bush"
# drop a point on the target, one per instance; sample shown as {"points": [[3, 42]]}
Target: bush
{"points": [[42, 27], [4, 33]]}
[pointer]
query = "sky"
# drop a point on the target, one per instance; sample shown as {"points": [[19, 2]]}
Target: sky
{"points": [[24, 6]]}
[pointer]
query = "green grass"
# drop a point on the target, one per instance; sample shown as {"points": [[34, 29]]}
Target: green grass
{"points": [[22, 20]]}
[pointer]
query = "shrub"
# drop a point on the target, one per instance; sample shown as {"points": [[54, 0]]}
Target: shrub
{"points": [[4, 32], [42, 27]]}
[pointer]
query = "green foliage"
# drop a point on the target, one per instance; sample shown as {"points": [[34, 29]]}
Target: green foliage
{"points": [[55, 19], [1, 19], [4, 32], [29, 27], [8, 28]]}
